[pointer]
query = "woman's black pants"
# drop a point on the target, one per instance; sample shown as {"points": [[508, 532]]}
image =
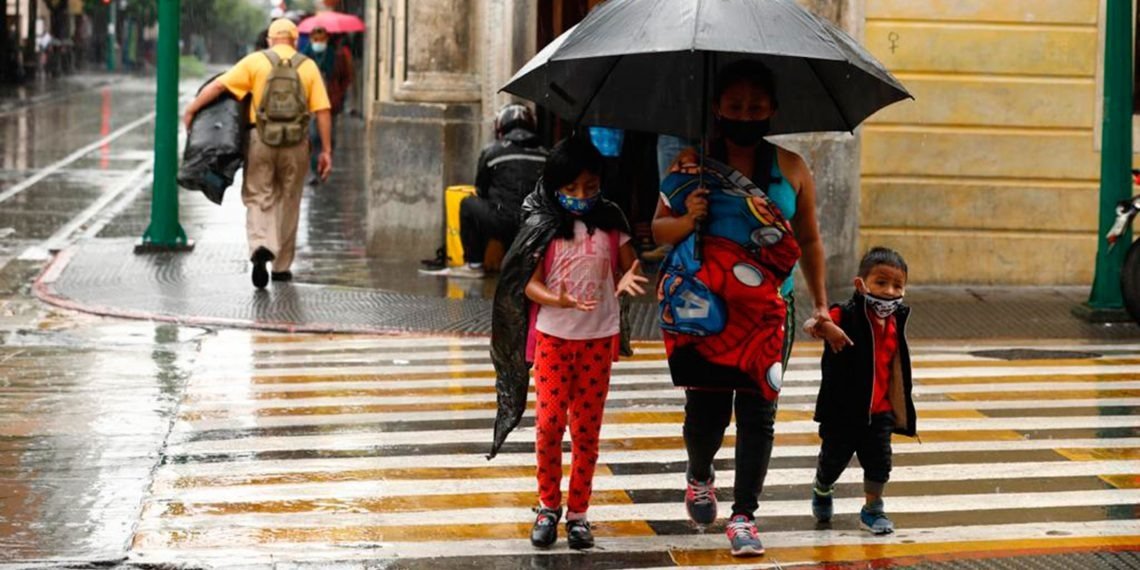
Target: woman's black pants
{"points": [[707, 414]]}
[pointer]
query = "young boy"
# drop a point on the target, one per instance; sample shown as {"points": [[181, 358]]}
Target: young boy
{"points": [[865, 395]]}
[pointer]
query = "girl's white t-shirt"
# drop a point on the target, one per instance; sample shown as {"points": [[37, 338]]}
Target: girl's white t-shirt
{"points": [[584, 269]]}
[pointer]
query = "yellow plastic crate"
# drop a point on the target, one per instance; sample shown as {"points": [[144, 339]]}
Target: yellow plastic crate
{"points": [[452, 197]]}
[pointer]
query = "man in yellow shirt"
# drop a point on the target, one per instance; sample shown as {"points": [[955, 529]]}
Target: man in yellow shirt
{"points": [[274, 173]]}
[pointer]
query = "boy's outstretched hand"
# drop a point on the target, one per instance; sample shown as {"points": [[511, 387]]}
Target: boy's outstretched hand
{"points": [[631, 282], [829, 332]]}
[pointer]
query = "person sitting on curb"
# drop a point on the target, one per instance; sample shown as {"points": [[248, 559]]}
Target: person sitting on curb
{"points": [[508, 171]]}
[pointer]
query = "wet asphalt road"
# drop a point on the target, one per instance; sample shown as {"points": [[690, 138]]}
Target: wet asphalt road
{"points": [[137, 443]]}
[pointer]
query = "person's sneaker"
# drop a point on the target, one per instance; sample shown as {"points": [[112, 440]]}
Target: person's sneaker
{"points": [[821, 507], [700, 501], [260, 275], [743, 537], [281, 276], [578, 534], [875, 521], [436, 263], [545, 530], [468, 271]]}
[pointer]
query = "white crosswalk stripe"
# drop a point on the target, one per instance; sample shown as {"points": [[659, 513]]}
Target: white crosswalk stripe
{"points": [[350, 448]]}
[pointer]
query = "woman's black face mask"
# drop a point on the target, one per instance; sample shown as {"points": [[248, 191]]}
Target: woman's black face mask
{"points": [[744, 133]]}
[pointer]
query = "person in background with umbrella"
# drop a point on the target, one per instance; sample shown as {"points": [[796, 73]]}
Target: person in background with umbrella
{"points": [[746, 211], [334, 59]]}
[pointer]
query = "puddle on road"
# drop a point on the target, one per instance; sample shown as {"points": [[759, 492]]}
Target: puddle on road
{"points": [[83, 414]]}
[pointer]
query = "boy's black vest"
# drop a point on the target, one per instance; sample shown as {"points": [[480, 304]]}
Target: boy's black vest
{"points": [[849, 375]]}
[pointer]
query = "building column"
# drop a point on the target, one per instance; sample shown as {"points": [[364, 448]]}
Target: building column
{"points": [[425, 126], [834, 161], [510, 37]]}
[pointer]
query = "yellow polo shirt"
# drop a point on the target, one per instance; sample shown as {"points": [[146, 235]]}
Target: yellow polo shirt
{"points": [[249, 76]]}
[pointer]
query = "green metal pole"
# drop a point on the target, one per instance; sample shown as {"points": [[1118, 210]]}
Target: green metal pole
{"points": [[1115, 152], [111, 14], [165, 232]]}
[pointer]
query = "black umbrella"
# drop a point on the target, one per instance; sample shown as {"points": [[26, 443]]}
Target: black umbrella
{"points": [[648, 65]]}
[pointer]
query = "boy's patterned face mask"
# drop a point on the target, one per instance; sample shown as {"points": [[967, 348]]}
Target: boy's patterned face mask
{"points": [[882, 307], [578, 206]]}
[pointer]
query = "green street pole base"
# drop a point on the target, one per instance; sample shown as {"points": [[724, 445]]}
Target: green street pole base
{"points": [[1090, 314], [179, 244]]}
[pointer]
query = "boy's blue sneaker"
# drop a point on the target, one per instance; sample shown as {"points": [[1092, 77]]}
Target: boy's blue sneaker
{"points": [[743, 536], [700, 501], [873, 520], [821, 507]]}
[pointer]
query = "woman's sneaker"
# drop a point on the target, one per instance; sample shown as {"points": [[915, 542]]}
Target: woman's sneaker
{"points": [[743, 536], [821, 505], [578, 534], [875, 521], [700, 501], [545, 530]]}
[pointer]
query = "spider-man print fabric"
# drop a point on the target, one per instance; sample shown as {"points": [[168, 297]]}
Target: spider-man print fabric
{"points": [[721, 312]]}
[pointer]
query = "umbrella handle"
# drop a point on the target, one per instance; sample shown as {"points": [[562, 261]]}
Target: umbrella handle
{"points": [[697, 240]]}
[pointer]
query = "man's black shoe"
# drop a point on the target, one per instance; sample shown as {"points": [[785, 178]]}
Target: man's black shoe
{"points": [[260, 274], [578, 534], [282, 276], [545, 530]]}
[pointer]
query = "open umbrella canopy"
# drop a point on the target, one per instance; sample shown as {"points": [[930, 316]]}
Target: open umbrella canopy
{"points": [[332, 22], [649, 65]]}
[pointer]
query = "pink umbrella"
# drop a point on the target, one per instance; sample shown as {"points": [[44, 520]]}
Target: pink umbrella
{"points": [[332, 22]]}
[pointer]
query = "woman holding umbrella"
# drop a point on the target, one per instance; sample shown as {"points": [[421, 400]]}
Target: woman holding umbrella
{"points": [[328, 47], [334, 60], [739, 219]]}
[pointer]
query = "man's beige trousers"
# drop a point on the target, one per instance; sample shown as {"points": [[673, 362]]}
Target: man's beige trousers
{"points": [[274, 179]]}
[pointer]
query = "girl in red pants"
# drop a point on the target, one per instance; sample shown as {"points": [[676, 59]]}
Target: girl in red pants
{"points": [[575, 287]]}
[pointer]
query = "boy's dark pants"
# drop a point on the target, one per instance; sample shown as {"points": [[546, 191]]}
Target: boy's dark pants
{"points": [[871, 443], [707, 414]]}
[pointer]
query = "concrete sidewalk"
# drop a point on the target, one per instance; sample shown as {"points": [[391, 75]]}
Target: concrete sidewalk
{"points": [[343, 285], [210, 287]]}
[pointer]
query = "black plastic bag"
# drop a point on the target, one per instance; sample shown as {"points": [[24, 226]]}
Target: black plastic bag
{"points": [[215, 146]]}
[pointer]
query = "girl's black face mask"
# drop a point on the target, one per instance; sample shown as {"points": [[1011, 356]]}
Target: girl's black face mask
{"points": [[744, 133]]}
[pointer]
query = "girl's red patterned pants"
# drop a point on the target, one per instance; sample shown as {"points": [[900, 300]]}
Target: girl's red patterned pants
{"points": [[572, 379]]}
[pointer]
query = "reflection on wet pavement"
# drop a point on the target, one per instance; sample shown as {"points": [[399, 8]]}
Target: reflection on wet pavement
{"points": [[83, 415], [331, 240], [313, 449], [51, 165]]}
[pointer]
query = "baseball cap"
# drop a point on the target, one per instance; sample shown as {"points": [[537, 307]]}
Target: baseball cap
{"points": [[282, 28]]}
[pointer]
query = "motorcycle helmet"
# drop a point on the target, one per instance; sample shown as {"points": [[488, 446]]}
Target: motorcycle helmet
{"points": [[513, 116]]}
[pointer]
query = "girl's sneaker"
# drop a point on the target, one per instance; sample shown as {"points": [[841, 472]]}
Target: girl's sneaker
{"points": [[743, 536], [700, 501], [578, 534], [821, 504], [545, 530], [875, 521]]}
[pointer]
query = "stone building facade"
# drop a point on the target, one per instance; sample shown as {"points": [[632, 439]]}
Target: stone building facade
{"points": [[432, 73]]}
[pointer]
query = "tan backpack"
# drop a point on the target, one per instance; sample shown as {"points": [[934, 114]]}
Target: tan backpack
{"points": [[283, 115]]}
